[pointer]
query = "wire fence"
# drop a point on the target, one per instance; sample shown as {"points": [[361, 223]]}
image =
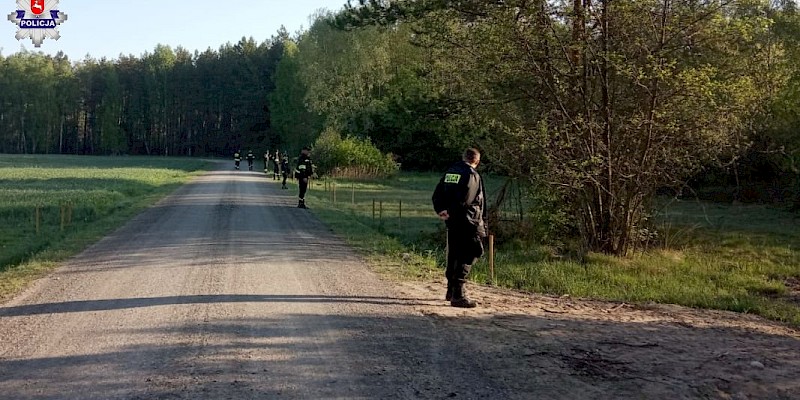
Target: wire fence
{"points": [[403, 213]]}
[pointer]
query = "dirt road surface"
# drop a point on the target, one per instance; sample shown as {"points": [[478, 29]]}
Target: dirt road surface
{"points": [[225, 290]]}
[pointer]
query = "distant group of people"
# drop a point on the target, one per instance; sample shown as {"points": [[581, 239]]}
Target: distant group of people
{"points": [[237, 159], [278, 163]]}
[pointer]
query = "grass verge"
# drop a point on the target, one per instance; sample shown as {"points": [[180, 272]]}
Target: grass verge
{"points": [[729, 257], [52, 207]]}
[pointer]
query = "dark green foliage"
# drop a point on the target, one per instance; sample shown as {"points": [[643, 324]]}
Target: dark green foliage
{"points": [[293, 124], [415, 129], [769, 170]]}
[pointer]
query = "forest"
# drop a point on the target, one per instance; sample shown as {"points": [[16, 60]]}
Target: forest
{"points": [[168, 102], [596, 106]]}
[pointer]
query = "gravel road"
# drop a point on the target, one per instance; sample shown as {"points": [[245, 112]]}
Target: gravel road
{"points": [[225, 290]]}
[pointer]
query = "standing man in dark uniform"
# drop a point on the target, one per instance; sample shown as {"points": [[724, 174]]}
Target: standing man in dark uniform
{"points": [[250, 158], [459, 200], [304, 170]]}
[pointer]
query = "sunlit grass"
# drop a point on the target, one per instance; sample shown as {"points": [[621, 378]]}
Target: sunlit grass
{"points": [[729, 257], [53, 206]]}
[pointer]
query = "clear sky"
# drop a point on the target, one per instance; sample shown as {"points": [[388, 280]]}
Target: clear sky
{"points": [[108, 28]]}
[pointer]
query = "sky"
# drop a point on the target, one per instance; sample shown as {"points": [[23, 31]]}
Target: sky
{"points": [[113, 27]]}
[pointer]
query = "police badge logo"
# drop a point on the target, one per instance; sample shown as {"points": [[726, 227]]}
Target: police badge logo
{"points": [[37, 20]]}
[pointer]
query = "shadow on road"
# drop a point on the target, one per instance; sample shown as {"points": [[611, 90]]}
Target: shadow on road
{"points": [[118, 304], [401, 357]]}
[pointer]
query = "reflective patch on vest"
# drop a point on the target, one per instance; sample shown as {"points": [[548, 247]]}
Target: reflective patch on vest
{"points": [[301, 167], [452, 178]]}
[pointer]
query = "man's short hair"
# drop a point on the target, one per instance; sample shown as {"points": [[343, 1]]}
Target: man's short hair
{"points": [[471, 155]]}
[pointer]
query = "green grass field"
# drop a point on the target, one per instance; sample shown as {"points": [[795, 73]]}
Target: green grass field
{"points": [[730, 257], [51, 207]]}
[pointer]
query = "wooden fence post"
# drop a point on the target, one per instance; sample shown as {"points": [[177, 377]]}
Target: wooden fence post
{"points": [[400, 215], [491, 257], [446, 246], [38, 218]]}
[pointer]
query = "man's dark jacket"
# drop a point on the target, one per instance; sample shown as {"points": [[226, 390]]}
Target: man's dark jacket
{"points": [[304, 167], [460, 191]]}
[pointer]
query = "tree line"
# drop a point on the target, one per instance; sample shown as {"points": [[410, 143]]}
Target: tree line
{"points": [[164, 102], [597, 105]]}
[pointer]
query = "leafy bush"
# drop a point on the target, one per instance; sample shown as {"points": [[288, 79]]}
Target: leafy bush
{"points": [[351, 157]]}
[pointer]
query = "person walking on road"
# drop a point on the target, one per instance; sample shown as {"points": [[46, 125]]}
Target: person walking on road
{"points": [[303, 171], [267, 159], [250, 158], [285, 171], [459, 200], [276, 165], [237, 158]]}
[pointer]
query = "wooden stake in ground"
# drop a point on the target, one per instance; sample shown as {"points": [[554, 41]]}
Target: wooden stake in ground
{"points": [[446, 246], [400, 214], [491, 257], [38, 217]]}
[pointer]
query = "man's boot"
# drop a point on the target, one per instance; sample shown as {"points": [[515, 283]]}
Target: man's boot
{"points": [[302, 204], [449, 295], [460, 298]]}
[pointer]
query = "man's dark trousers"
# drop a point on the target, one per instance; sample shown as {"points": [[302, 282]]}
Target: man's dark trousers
{"points": [[303, 182], [461, 253]]}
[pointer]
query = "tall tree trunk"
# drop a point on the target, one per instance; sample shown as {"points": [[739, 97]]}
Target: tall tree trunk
{"points": [[61, 137]]}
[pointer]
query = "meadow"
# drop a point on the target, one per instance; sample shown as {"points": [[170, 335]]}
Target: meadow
{"points": [[51, 207], [743, 258]]}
